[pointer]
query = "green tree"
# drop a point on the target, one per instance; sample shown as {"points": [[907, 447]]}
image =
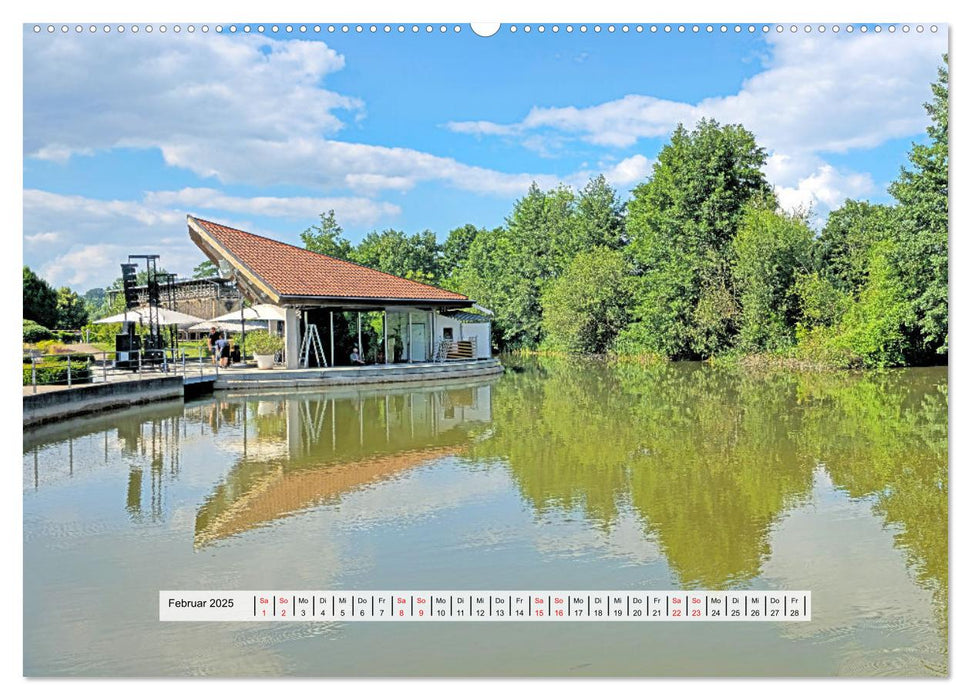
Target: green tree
{"points": [[873, 330], [680, 224], [94, 299], [921, 255], [455, 250], [847, 238], [585, 309], [771, 250], [40, 300], [479, 276], [205, 269], [536, 244], [820, 302], [510, 268], [327, 237], [71, 311], [600, 215], [417, 256]]}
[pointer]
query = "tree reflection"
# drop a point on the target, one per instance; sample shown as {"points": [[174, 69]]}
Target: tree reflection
{"points": [[709, 459]]}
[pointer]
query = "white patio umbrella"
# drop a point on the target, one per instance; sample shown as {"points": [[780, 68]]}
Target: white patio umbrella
{"points": [[229, 326], [166, 317], [257, 312], [247, 318]]}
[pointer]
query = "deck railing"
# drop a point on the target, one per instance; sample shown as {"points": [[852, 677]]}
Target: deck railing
{"points": [[69, 369]]}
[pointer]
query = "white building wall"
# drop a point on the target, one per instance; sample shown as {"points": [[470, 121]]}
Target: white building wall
{"points": [[466, 331], [443, 322], [483, 344]]}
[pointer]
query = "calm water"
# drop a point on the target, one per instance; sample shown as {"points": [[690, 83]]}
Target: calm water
{"points": [[558, 475]]}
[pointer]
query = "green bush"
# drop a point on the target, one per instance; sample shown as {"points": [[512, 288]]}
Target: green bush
{"points": [[34, 332], [54, 371], [871, 333], [66, 336], [263, 343], [102, 332]]}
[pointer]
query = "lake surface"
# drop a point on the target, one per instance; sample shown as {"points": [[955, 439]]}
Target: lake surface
{"points": [[564, 475]]}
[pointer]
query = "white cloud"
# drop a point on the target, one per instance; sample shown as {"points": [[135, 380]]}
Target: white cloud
{"points": [[327, 164], [352, 210], [243, 109], [60, 208], [92, 92], [75, 267], [826, 188], [482, 128], [80, 241], [628, 171], [43, 237], [818, 93]]}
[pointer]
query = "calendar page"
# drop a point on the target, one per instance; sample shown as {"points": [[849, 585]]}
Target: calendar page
{"points": [[543, 349]]}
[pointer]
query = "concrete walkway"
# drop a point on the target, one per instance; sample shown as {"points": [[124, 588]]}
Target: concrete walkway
{"points": [[244, 378]]}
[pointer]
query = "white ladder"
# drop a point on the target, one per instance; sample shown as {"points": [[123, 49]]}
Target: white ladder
{"points": [[311, 341]]}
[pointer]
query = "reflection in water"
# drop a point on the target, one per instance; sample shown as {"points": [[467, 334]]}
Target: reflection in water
{"points": [[710, 459], [699, 477], [298, 453]]}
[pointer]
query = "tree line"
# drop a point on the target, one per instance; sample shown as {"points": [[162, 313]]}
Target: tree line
{"points": [[701, 261]]}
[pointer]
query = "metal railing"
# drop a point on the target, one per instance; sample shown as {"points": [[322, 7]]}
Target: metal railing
{"points": [[69, 369]]}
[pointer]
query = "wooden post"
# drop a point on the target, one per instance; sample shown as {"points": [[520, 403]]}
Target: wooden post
{"points": [[333, 363]]}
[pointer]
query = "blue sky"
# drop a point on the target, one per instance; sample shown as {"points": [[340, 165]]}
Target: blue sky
{"points": [[124, 134]]}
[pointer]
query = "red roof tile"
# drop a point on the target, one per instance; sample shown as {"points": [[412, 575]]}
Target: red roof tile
{"points": [[297, 272]]}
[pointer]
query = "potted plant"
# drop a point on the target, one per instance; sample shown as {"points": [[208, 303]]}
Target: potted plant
{"points": [[264, 347]]}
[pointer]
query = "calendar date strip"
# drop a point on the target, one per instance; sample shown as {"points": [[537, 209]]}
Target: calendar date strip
{"points": [[485, 606]]}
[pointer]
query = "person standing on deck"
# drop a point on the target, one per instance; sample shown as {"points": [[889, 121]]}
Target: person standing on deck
{"points": [[222, 351], [214, 335]]}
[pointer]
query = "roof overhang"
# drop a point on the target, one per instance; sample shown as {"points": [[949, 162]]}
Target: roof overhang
{"points": [[251, 284], [258, 290], [369, 302]]}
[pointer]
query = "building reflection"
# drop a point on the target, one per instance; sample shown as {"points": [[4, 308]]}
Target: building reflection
{"points": [[297, 452], [145, 439]]}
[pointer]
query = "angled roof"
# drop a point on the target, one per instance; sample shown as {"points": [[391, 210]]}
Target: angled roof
{"points": [[273, 492], [467, 317], [287, 273]]}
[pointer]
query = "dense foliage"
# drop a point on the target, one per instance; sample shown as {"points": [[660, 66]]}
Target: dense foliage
{"points": [[701, 262], [54, 370], [34, 332], [40, 300], [681, 224]]}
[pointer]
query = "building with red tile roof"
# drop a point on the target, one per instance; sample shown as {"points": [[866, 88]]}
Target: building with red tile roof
{"points": [[420, 322], [285, 274]]}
